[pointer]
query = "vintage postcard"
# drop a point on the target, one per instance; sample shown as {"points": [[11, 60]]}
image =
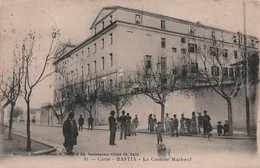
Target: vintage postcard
{"points": [[140, 83]]}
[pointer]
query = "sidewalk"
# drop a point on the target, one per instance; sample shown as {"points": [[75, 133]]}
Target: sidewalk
{"points": [[238, 134]]}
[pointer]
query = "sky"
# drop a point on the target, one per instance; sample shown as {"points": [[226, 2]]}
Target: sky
{"points": [[74, 17]]}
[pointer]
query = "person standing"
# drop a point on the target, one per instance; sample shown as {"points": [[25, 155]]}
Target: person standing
{"points": [[159, 131], [90, 122], [151, 124], [122, 120], [206, 123], [174, 125], [112, 128], [154, 121], [200, 122], [220, 128], [193, 123], [226, 128], [70, 133], [182, 121], [167, 123], [135, 124], [81, 122], [128, 124]]}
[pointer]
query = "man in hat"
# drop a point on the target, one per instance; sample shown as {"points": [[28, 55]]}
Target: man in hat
{"points": [[81, 122], [122, 120], [70, 132], [112, 128], [90, 122], [167, 123]]}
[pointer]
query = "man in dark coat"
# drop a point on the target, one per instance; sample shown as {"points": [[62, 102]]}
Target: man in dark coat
{"points": [[112, 128], [206, 123], [70, 133], [90, 122], [122, 120], [174, 125], [81, 122]]}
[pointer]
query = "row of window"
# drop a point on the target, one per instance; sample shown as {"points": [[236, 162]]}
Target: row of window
{"points": [[232, 72], [103, 24]]}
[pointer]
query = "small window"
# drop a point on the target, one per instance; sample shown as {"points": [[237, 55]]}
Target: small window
{"points": [[174, 50], [110, 82], [225, 72], [102, 43], [231, 72], [111, 59], [163, 64], [213, 34], [235, 54], [95, 30], [138, 19], [194, 67], [163, 42], [103, 25], [148, 61], [183, 51], [237, 71], [95, 47], [82, 52], [213, 51], [103, 63], [235, 39], [111, 19], [215, 71], [95, 66], [88, 69], [88, 51], [183, 40], [111, 38], [192, 48], [163, 24], [192, 30], [225, 53]]}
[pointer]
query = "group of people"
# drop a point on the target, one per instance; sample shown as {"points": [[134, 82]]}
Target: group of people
{"points": [[90, 122], [225, 128], [127, 127], [152, 120]]}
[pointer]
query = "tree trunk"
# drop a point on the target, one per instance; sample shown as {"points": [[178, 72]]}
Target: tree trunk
{"points": [[28, 126], [61, 116], [2, 116], [229, 105], [11, 121], [162, 114]]}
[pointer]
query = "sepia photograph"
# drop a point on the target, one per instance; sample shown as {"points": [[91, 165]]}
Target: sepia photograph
{"points": [[129, 83]]}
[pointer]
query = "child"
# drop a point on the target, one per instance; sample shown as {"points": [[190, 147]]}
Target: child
{"points": [[220, 128], [226, 127], [159, 130]]}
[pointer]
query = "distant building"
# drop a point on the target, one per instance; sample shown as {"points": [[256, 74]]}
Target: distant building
{"points": [[124, 40]]}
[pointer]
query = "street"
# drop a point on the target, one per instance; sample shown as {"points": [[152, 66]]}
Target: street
{"points": [[97, 141]]}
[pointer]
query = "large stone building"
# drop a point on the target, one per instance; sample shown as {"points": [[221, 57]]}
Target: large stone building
{"points": [[124, 39]]}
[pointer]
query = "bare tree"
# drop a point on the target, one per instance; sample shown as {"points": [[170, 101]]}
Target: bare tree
{"points": [[32, 79], [157, 81], [11, 86], [212, 66], [118, 94]]}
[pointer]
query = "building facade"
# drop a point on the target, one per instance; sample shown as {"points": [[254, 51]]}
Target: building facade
{"points": [[124, 40]]}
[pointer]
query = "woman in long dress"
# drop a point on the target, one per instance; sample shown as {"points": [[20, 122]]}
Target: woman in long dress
{"points": [[151, 123], [193, 123]]}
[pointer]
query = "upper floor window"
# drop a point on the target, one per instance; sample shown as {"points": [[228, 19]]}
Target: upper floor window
{"points": [[231, 72], [95, 66], [174, 49], [110, 83], [194, 67], [95, 47], [111, 59], [235, 54], [103, 63], [192, 47], [111, 21], [163, 64], [213, 34], [225, 71], [192, 30], [88, 69], [183, 40], [148, 61], [88, 51], [111, 38], [235, 39], [163, 42], [213, 51], [163, 24], [225, 53], [215, 70], [103, 25], [138, 19], [102, 42], [183, 51]]}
